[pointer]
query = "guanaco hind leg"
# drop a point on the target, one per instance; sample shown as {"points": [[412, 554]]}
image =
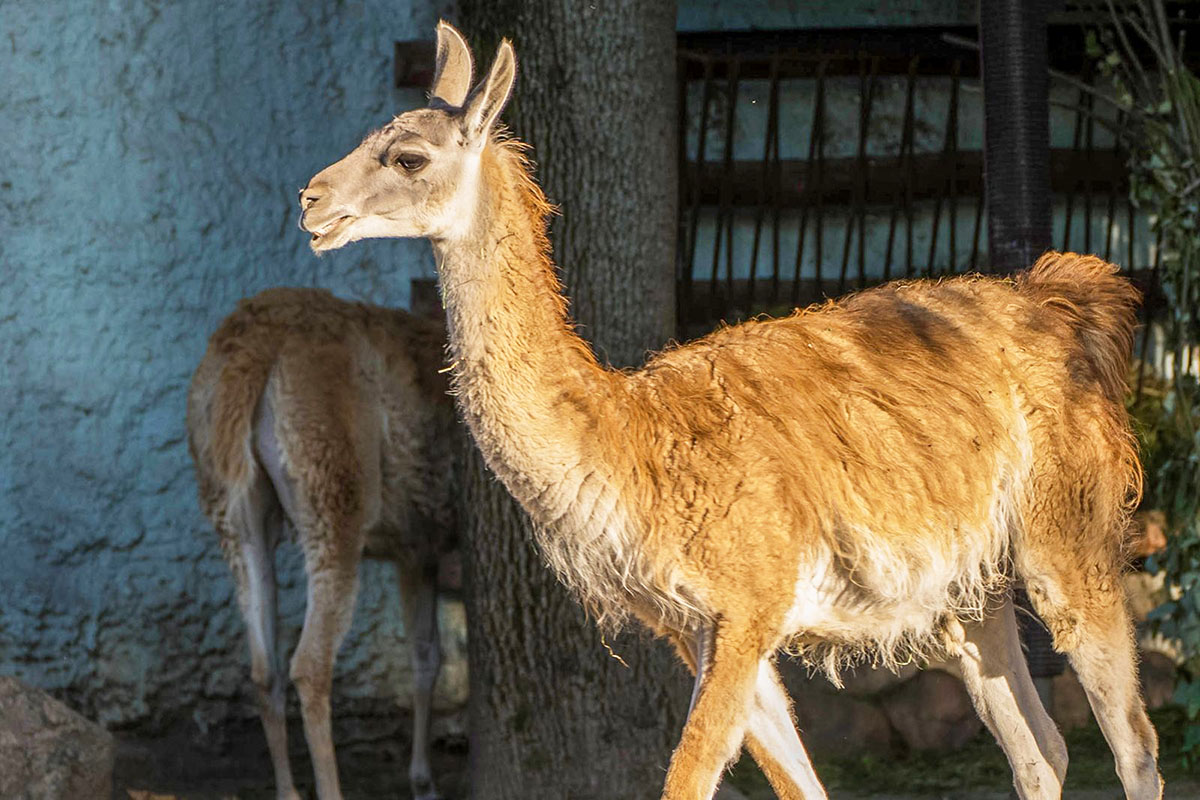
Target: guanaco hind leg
{"points": [[249, 533], [1106, 662], [997, 678], [1096, 633], [1070, 556], [418, 591]]}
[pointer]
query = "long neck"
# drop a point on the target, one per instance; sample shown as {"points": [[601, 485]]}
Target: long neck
{"points": [[531, 390]]}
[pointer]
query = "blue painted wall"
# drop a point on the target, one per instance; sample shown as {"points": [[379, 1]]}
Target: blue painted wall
{"points": [[152, 152]]}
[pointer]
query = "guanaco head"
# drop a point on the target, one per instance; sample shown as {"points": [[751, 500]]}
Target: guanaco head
{"points": [[417, 175]]}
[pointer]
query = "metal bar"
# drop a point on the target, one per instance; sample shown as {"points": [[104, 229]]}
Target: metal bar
{"points": [[947, 156], [701, 145], [865, 85], [1130, 220], [760, 213], [952, 138], [938, 45], [1141, 373], [819, 261], [1113, 191], [1088, 184], [901, 157], [1154, 278], [979, 204], [683, 293], [1130, 266], [1110, 217], [862, 205], [1069, 213], [908, 204], [885, 180], [1016, 131], [822, 188], [815, 154], [724, 212], [776, 197]]}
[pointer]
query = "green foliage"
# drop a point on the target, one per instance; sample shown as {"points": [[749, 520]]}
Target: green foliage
{"points": [[1172, 455], [1159, 97], [1170, 436]]}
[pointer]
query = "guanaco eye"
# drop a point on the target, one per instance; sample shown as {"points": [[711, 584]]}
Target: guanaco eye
{"points": [[410, 162]]}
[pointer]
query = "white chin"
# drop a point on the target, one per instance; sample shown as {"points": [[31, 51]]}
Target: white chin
{"points": [[334, 237], [359, 228], [330, 241]]}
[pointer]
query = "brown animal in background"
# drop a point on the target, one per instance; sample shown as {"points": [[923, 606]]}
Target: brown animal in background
{"points": [[1147, 533], [328, 419], [862, 479]]}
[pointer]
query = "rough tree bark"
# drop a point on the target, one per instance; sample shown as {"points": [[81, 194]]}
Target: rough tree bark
{"points": [[553, 714]]}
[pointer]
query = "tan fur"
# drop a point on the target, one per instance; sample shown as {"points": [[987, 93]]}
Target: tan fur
{"points": [[846, 482], [374, 366], [354, 397]]}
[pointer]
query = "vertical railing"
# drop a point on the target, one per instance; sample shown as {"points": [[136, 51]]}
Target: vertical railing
{"points": [[909, 210]]}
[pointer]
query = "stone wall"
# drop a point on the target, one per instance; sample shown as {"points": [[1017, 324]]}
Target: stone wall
{"points": [[152, 155]]}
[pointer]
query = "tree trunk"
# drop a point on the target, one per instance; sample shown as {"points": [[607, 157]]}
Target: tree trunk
{"points": [[553, 714]]}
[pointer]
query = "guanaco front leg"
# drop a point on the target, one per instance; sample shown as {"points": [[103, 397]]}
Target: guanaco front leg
{"points": [[716, 725], [774, 742], [771, 735], [331, 594]]}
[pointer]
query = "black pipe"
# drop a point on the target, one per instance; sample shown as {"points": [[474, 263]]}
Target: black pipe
{"points": [[1016, 99], [1016, 177]]}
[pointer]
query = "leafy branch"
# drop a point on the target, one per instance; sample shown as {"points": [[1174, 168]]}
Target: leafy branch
{"points": [[1158, 97]]}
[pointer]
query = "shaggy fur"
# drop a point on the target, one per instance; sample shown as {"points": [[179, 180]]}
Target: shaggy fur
{"points": [[328, 419], [861, 478]]}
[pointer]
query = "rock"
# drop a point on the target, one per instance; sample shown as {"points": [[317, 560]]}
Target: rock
{"points": [[932, 712], [832, 722], [1157, 673], [839, 724], [728, 791], [1071, 709], [1144, 591], [47, 751], [865, 680]]}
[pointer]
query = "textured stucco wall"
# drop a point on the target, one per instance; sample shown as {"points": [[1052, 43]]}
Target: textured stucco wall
{"points": [[151, 156]]}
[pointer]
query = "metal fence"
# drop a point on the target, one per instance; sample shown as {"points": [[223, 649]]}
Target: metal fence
{"points": [[813, 163]]}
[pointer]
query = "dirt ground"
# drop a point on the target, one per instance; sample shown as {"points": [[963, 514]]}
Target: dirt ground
{"points": [[232, 764]]}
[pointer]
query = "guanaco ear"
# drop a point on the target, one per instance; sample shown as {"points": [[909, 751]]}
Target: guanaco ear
{"points": [[488, 98], [452, 71]]}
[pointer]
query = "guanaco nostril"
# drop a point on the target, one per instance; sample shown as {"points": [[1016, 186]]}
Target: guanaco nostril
{"points": [[308, 197]]}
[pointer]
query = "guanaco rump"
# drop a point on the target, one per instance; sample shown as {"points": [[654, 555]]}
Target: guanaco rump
{"points": [[862, 479], [328, 420]]}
